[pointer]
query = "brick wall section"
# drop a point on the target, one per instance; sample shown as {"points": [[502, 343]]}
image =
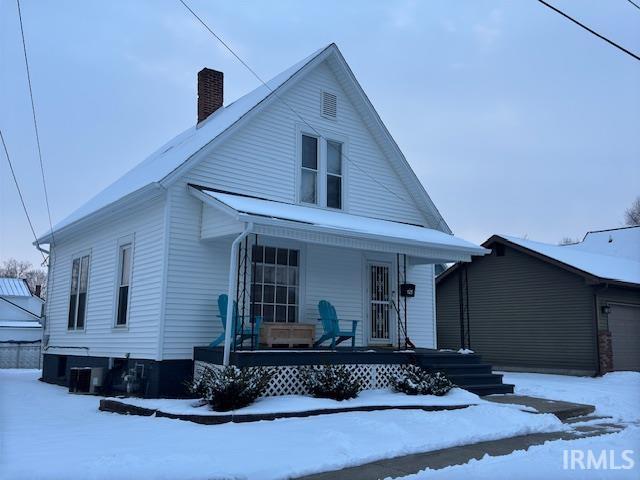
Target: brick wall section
{"points": [[606, 352], [210, 92]]}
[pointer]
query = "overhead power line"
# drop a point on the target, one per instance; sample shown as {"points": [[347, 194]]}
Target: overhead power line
{"points": [[602, 37], [24, 205], [634, 4], [35, 122], [300, 117]]}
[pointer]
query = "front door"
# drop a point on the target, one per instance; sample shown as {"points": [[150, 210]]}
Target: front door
{"points": [[379, 296]]}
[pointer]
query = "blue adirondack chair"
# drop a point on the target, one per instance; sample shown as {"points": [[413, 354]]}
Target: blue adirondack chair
{"points": [[241, 334], [331, 326]]}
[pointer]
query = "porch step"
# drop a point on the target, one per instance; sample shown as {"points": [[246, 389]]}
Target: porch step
{"points": [[491, 389], [470, 379], [464, 368], [434, 360]]}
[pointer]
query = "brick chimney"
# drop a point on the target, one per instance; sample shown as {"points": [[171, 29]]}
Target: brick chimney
{"points": [[210, 92]]}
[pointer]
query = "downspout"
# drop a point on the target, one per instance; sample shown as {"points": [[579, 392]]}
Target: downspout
{"points": [[596, 293], [233, 272]]}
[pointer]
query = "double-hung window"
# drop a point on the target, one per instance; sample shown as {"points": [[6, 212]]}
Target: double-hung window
{"points": [[124, 279], [334, 174], [78, 293], [274, 289], [322, 172], [309, 178]]}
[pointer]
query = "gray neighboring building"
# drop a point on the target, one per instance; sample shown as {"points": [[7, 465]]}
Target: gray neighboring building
{"points": [[533, 306]]}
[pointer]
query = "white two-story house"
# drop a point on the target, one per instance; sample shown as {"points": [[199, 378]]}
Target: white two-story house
{"points": [[292, 194]]}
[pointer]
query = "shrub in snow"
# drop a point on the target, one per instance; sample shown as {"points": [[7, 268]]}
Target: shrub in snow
{"points": [[330, 381], [414, 380], [231, 387]]}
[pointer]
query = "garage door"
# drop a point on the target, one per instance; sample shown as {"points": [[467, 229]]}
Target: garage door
{"points": [[624, 324]]}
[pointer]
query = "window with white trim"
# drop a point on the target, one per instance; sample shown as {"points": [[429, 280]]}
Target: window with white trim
{"points": [[309, 175], [334, 174], [275, 285], [78, 293], [124, 280]]}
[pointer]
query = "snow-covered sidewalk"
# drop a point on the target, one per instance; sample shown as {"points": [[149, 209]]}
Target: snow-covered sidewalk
{"points": [[50, 434]]}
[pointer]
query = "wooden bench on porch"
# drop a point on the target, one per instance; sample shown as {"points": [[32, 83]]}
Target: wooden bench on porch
{"points": [[287, 334]]}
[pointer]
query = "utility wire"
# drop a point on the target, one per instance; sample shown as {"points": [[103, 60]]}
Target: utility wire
{"points": [[283, 101], [610, 42], [634, 4], [24, 206], [35, 122]]}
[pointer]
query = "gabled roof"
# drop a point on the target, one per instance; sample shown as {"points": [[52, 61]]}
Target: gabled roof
{"points": [[581, 258], [172, 157], [14, 287]]}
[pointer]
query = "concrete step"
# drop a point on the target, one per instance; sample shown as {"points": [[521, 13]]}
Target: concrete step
{"points": [[492, 389], [562, 410]]}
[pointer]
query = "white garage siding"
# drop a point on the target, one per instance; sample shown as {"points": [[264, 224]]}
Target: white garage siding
{"points": [[140, 337]]}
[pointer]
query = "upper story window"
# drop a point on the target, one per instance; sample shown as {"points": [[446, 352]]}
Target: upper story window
{"points": [[78, 293], [124, 280], [334, 174], [322, 172], [309, 178]]}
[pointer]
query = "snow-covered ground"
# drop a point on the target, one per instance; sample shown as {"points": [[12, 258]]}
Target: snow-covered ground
{"points": [[300, 403], [615, 394], [547, 461], [47, 433]]}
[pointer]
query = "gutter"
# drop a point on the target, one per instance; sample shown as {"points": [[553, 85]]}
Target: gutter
{"points": [[233, 272]]}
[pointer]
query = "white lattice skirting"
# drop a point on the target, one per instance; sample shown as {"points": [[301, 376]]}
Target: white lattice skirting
{"points": [[286, 380]]}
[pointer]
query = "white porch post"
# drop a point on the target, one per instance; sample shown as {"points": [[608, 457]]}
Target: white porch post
{"points": [[231, 292]]}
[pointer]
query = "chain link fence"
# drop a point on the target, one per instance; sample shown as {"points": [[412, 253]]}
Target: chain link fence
{"points": [[15, 354]]}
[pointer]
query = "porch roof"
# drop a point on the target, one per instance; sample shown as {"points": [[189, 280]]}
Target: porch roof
{"points": [[285, 219]]}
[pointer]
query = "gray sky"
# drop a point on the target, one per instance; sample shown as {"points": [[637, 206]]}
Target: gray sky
{"points": [[515, 120]]}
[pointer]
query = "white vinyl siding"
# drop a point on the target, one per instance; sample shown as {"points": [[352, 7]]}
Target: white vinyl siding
{"points": [[262, 158], [99, 338], [421, 308]]}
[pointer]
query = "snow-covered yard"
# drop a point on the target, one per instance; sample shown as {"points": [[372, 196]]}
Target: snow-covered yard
{"points": [[616, 394], [50, 434]]}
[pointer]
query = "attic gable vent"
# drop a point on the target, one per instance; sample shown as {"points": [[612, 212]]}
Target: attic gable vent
{"points": [[329, 105]]}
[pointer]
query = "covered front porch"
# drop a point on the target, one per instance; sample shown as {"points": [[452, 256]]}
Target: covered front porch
{"points": [[375, 277]]}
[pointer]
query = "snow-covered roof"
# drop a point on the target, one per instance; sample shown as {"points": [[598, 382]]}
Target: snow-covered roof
{"points": [[19, 324], [156, 169], [618, 242], [256, 210], [14, 287], [584, 257], [175, 152]]}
